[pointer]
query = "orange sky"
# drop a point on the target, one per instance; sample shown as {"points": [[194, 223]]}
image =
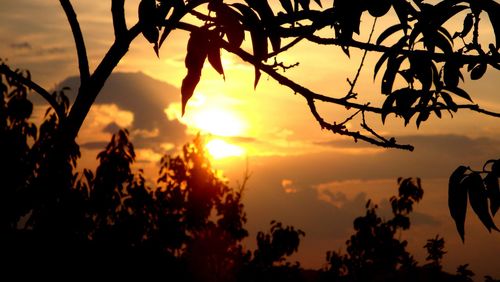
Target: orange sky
{"points": [[296, 167]]}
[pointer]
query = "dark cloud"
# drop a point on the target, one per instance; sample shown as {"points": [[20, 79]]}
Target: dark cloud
{"points": [[434, 156], [51, 51], [94, 145], [112, 128], [21, 45], [146, 98]]}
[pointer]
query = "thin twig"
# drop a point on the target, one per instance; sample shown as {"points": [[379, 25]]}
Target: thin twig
{"points": [[83, 62], [351, 94], [337, 129], [286, 47], [351, 117]]}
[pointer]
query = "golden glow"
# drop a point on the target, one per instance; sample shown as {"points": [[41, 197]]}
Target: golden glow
{"points": [[219, 149], [217, 122]]}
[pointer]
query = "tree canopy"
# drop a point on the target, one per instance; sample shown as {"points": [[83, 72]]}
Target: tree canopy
{"points": [[421, 66]]}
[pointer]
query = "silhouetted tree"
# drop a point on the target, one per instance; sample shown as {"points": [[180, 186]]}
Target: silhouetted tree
{"points": [[375, 253], [435, 252], [427, 59]]}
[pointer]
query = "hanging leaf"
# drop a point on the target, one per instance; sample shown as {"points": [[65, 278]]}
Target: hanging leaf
{"points": [[451, 74], [468, 22], [287, 5], [319, 3], [479, 200], [378, 8], [179, 7], [196, 54], [230, 24], [147, 20], [423, 116], [457, 199], [305, 4], [393, 65], [214, 58], [387, 106], [478, 71], [493, 10], [459, 92], [449, 101], [493, 191], [257, 77], [386, 55], [421, 66], [389, 31], [258, 35], [187, 89]]}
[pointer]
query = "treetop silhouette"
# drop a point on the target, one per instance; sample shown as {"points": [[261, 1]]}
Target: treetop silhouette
{"points": [[428, 59]]}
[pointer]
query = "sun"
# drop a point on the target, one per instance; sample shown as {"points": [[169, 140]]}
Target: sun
{"points": [[219, 149], [218, 121]]}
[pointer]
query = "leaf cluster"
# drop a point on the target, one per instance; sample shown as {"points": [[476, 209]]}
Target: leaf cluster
{"points": [[482, 193]]}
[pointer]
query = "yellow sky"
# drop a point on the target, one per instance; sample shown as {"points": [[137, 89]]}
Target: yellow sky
{"points": [[270, 128]]}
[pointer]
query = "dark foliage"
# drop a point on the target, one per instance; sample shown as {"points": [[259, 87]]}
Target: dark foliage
{"points": [[483, 193], [189, 225]]}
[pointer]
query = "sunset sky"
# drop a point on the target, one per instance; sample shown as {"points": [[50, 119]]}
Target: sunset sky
{"points": [[300, 175]]}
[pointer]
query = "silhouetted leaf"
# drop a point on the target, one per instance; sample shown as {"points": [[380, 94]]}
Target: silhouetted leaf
{"points": [[230, 24], [495, 168], [479, 200], [493, 10], [319, 3], [305, 4], [442, 42], [421, 66], [403, 10], [478, 71], [147, 20], [493, 192], [468, 22], [423, 116], [451, 74], [287, 5], [393, 65], [214, 58], [267, 16], [386, 55], [258, 34], [378, 8], [389, 31], [387, 106], [449, 101], [459, 92], [457, 199], [195, 57]]}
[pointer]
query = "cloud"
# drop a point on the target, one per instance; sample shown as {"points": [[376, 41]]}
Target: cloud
{"points": [[288, 186], [21, 45], [145, 99]]}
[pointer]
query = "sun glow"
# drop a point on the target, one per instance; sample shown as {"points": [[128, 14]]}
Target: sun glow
{"points": [[217, 119], [219, 149], [218, 122]]}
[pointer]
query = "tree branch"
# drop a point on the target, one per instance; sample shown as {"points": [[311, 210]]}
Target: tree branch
{"points": [[119, 23], [88, 92], [79, 42], [341, 130], [34, 86], [305, 92], [437, 57]]}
